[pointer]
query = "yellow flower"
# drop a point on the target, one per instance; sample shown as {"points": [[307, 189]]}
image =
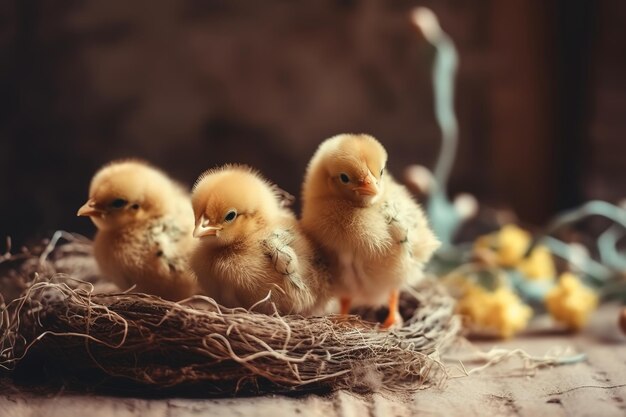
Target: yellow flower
{"points": [[500, 311], [571, 302], [509, 244], [539, 265]]}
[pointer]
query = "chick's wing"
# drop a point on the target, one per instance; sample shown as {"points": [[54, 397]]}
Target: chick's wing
{"points": [[163, 243], [284, 259], [407, 224]]}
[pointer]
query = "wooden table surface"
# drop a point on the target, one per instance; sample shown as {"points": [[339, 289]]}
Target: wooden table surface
{"points": [[595, 387]]}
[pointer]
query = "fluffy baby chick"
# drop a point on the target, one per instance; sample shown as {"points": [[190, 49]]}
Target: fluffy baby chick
{"points": [[145, 226], [250, 244], [376, 237]]}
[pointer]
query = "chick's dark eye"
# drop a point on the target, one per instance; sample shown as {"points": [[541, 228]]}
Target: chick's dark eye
{"points": [[230, 216], [381, 172], [118, 203], [344, 178]]}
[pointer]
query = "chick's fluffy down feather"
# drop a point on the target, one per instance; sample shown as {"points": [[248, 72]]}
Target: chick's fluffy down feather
{"points": [[145, 225], [262, 249], [377, 240]]}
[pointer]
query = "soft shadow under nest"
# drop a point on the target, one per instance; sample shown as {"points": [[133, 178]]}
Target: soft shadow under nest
{"points": [[56, 322]]}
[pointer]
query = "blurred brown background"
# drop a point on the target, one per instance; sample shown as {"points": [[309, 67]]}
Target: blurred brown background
{"points": [[191, 84]]}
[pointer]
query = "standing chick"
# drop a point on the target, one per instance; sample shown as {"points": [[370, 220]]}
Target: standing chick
{"points": [[251, 244], [375, 236], [145, 226]]}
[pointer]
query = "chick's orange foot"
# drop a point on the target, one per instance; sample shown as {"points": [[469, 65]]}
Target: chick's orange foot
{"points": [[394, 319], [345, 303]]}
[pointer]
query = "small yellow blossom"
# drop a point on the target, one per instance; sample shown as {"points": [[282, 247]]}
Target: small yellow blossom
{"points": [[500, 311], [539, 265], [571, 302], [509, 244]]}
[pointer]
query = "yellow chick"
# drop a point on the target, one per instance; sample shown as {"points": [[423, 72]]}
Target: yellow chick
{"points": [[500, 311], [145, 226], [571, 302], [251, 244], [507, 246], [374, 234]]}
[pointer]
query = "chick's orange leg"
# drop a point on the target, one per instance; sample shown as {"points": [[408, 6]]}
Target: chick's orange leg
{"points": [[345, 305], [393, 309]]}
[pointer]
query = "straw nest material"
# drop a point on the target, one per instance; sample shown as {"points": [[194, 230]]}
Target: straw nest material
{"points": [[55, 321]]}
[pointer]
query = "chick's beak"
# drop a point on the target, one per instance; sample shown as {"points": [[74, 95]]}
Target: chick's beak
{"points": [[366, 186], [203, 228], [89, 209]]}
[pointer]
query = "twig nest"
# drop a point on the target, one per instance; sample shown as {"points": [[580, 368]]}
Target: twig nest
{"points": [[60, 326]]}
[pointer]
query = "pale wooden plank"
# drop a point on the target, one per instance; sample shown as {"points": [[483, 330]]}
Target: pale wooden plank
{"points": [[25, 405], [504, 390], [578, 389], [273, 406], [388, 405], [465, 397], [80, 406], [351, 405]]}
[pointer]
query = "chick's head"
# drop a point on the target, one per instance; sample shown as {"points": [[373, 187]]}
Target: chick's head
{"points": [[123, 192], [349, 167], [232, 202]]}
